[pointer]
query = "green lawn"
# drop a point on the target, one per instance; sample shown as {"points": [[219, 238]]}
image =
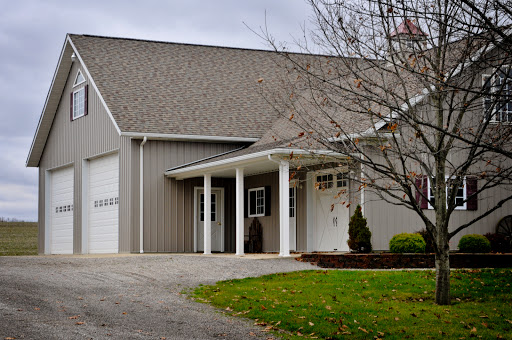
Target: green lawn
{"points": [[18, 238], [370, 304]]}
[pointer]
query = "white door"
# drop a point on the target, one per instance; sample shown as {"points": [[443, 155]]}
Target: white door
{"points": [[332, 217], [216, 218], [103, 232], [61, 220], [293, 216]]}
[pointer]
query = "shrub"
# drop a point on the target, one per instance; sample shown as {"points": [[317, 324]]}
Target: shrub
{"points": [[429, 241], [499, 243], [359, 235], [474, 243], [407, 243]]}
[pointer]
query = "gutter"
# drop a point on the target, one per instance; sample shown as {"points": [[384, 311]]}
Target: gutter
{"points": [[141, 193], [189, 138]]}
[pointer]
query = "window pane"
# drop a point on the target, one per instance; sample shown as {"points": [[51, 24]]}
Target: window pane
{"points": [[252, 203]]}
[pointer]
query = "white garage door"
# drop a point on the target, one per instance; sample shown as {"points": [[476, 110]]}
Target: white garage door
{"points": [[61, 221], [104, 205], [332, 217]]}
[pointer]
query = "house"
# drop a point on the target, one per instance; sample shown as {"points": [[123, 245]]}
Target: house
{"points": [[139, 140]]}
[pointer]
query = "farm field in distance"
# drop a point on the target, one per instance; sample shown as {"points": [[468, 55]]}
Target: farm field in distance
{"points": [[18, 238]]}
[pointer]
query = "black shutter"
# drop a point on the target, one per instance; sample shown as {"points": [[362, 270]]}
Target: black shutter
{"points": [[86, 99], [268, 201], [71, 107], [471, 189], [422, 184], [246, 203]]}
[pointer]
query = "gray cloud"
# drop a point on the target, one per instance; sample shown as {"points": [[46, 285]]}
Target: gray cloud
{"points": [[32, 33]]}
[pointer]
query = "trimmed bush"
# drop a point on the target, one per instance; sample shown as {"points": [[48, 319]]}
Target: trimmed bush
{"points": [[499, 243], [474, 243], [429, 241], [407, 243], [359, 235]]}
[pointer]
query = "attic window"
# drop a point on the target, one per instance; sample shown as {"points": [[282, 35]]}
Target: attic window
{"points": [[78, 103], [79, 79]]}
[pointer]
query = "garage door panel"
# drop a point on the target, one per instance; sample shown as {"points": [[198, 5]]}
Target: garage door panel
{"points": [[104, 205], [61, 211]]}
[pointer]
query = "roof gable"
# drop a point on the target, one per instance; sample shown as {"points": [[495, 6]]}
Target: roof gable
{"points": [[169, 88], [407, 27], [53, 99]]}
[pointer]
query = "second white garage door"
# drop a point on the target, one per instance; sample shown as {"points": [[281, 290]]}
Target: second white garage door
{"points": [[104, 204]]}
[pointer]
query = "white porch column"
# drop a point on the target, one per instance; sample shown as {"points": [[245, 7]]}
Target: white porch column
{"points": [[284, 208], [207, 214], [239, 213], [281, 223]]}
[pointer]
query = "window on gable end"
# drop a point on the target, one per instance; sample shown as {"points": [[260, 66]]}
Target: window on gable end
{"points": [[78, 102], [79, 79]]}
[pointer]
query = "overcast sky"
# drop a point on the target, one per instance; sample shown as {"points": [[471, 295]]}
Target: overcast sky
{"points": [[32, 34]]}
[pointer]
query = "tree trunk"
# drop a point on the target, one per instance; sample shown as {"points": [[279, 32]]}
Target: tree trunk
{"points": [[443, 271]]}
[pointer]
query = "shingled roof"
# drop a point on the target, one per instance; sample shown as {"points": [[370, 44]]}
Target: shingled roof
{"points": [[160, 87]]}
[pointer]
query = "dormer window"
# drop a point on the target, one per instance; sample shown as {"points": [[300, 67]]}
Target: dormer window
{"points": [[78, 100], [498, 95]]}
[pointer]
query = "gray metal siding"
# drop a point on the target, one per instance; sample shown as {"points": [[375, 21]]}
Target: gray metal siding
{"points": [[386, 220], [69, 142], [168, 208]]}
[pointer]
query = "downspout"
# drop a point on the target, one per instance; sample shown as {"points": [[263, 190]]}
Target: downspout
{"points": [[141, 193]]}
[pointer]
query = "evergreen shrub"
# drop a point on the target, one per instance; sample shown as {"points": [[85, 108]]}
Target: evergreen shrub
{"points": [[359, 235], [407, 243], [474, 243]]}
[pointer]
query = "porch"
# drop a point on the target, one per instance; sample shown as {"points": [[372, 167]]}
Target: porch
{"points": [[262, 185]]}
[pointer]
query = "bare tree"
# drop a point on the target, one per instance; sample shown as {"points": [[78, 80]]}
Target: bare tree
{"points": [[417, 96]]}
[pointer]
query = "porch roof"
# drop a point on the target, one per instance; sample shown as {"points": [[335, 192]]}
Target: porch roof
{"points": [[253, 162]]}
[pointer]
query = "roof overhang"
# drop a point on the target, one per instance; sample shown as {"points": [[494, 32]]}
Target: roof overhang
{"points": [[253, 163], [51, 104]]}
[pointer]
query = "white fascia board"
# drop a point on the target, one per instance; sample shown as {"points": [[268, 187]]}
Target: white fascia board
{"points": [[413, 101], [197, 138], [45, 104], [245, 160], [91, 80]]}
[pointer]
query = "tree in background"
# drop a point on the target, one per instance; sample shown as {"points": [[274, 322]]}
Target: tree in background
{"points": [[415, 95]]}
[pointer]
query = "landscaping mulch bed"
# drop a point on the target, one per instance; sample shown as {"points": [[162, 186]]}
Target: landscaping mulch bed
{"points": [[399, 261]]}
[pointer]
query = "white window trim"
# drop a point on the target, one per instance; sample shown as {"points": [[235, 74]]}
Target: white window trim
{"points": [[83, 112], [75, 84], [493, 79], [464, 193], [249, 202]]}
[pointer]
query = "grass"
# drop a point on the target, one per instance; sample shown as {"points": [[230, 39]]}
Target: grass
{"points": [[18, 238], [370, 304]]}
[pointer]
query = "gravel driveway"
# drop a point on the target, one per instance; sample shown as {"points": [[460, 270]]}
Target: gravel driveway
{"points": [[123, 297]]}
